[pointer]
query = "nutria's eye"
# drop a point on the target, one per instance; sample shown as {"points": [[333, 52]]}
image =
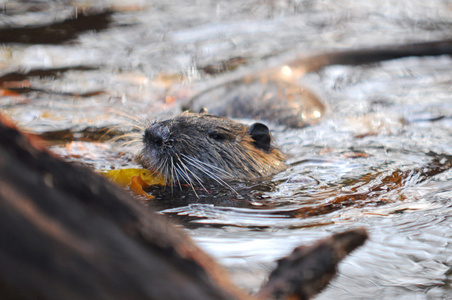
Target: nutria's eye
{"points": [[217, 136]]}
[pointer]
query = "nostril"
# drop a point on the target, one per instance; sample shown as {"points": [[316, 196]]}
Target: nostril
{"points": [[157, 141], [155, 138]]}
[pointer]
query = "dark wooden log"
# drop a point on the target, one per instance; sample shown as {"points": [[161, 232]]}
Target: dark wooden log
{"points": [[374, 54], [308, 270], [67, 233], [58, 32]]}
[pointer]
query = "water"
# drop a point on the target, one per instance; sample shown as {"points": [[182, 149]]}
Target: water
{"points": [[379, 158]]}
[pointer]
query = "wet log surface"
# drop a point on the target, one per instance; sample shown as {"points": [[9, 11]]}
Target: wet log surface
{"points": [[66, 233]]}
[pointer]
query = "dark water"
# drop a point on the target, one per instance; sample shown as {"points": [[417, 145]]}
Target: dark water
{"points": [[379, 158]]}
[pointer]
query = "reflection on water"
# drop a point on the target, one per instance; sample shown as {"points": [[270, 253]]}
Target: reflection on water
{"points": [[380, 157]]}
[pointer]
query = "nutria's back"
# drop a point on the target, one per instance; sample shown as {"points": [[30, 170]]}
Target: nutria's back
{"points": [[195, 146]]}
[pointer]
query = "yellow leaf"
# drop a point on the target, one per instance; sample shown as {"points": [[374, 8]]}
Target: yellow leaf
{"points": [[123, 177], [137, 186]]}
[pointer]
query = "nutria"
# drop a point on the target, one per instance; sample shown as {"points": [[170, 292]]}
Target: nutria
{"points": [[193, 147]]}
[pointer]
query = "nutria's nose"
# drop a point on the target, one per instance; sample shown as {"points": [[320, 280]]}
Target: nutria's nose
{"points": [[157, 136], [153, 137]]}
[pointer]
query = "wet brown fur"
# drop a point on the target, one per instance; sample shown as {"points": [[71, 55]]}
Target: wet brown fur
{"points": [[195, 146]]}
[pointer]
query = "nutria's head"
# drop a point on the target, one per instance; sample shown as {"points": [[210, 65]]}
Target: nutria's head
{"points": [[196, 146]]}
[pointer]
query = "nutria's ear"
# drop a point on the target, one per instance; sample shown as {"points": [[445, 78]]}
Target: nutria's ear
{"points": [[261, 136], [203, 110]]}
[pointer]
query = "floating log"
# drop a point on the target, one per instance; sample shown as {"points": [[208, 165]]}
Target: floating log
{"points": [[60, 31]]}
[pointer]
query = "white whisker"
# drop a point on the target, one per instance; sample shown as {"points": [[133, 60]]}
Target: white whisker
{"points": [[201, 167], [196, 177], [130, 117], [215, 168], [173, 168], [172, 174], [130, 143], [187, 176]]}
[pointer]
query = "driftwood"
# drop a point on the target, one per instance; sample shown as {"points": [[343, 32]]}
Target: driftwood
{"points": [[58, 32], [67, 233]]}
